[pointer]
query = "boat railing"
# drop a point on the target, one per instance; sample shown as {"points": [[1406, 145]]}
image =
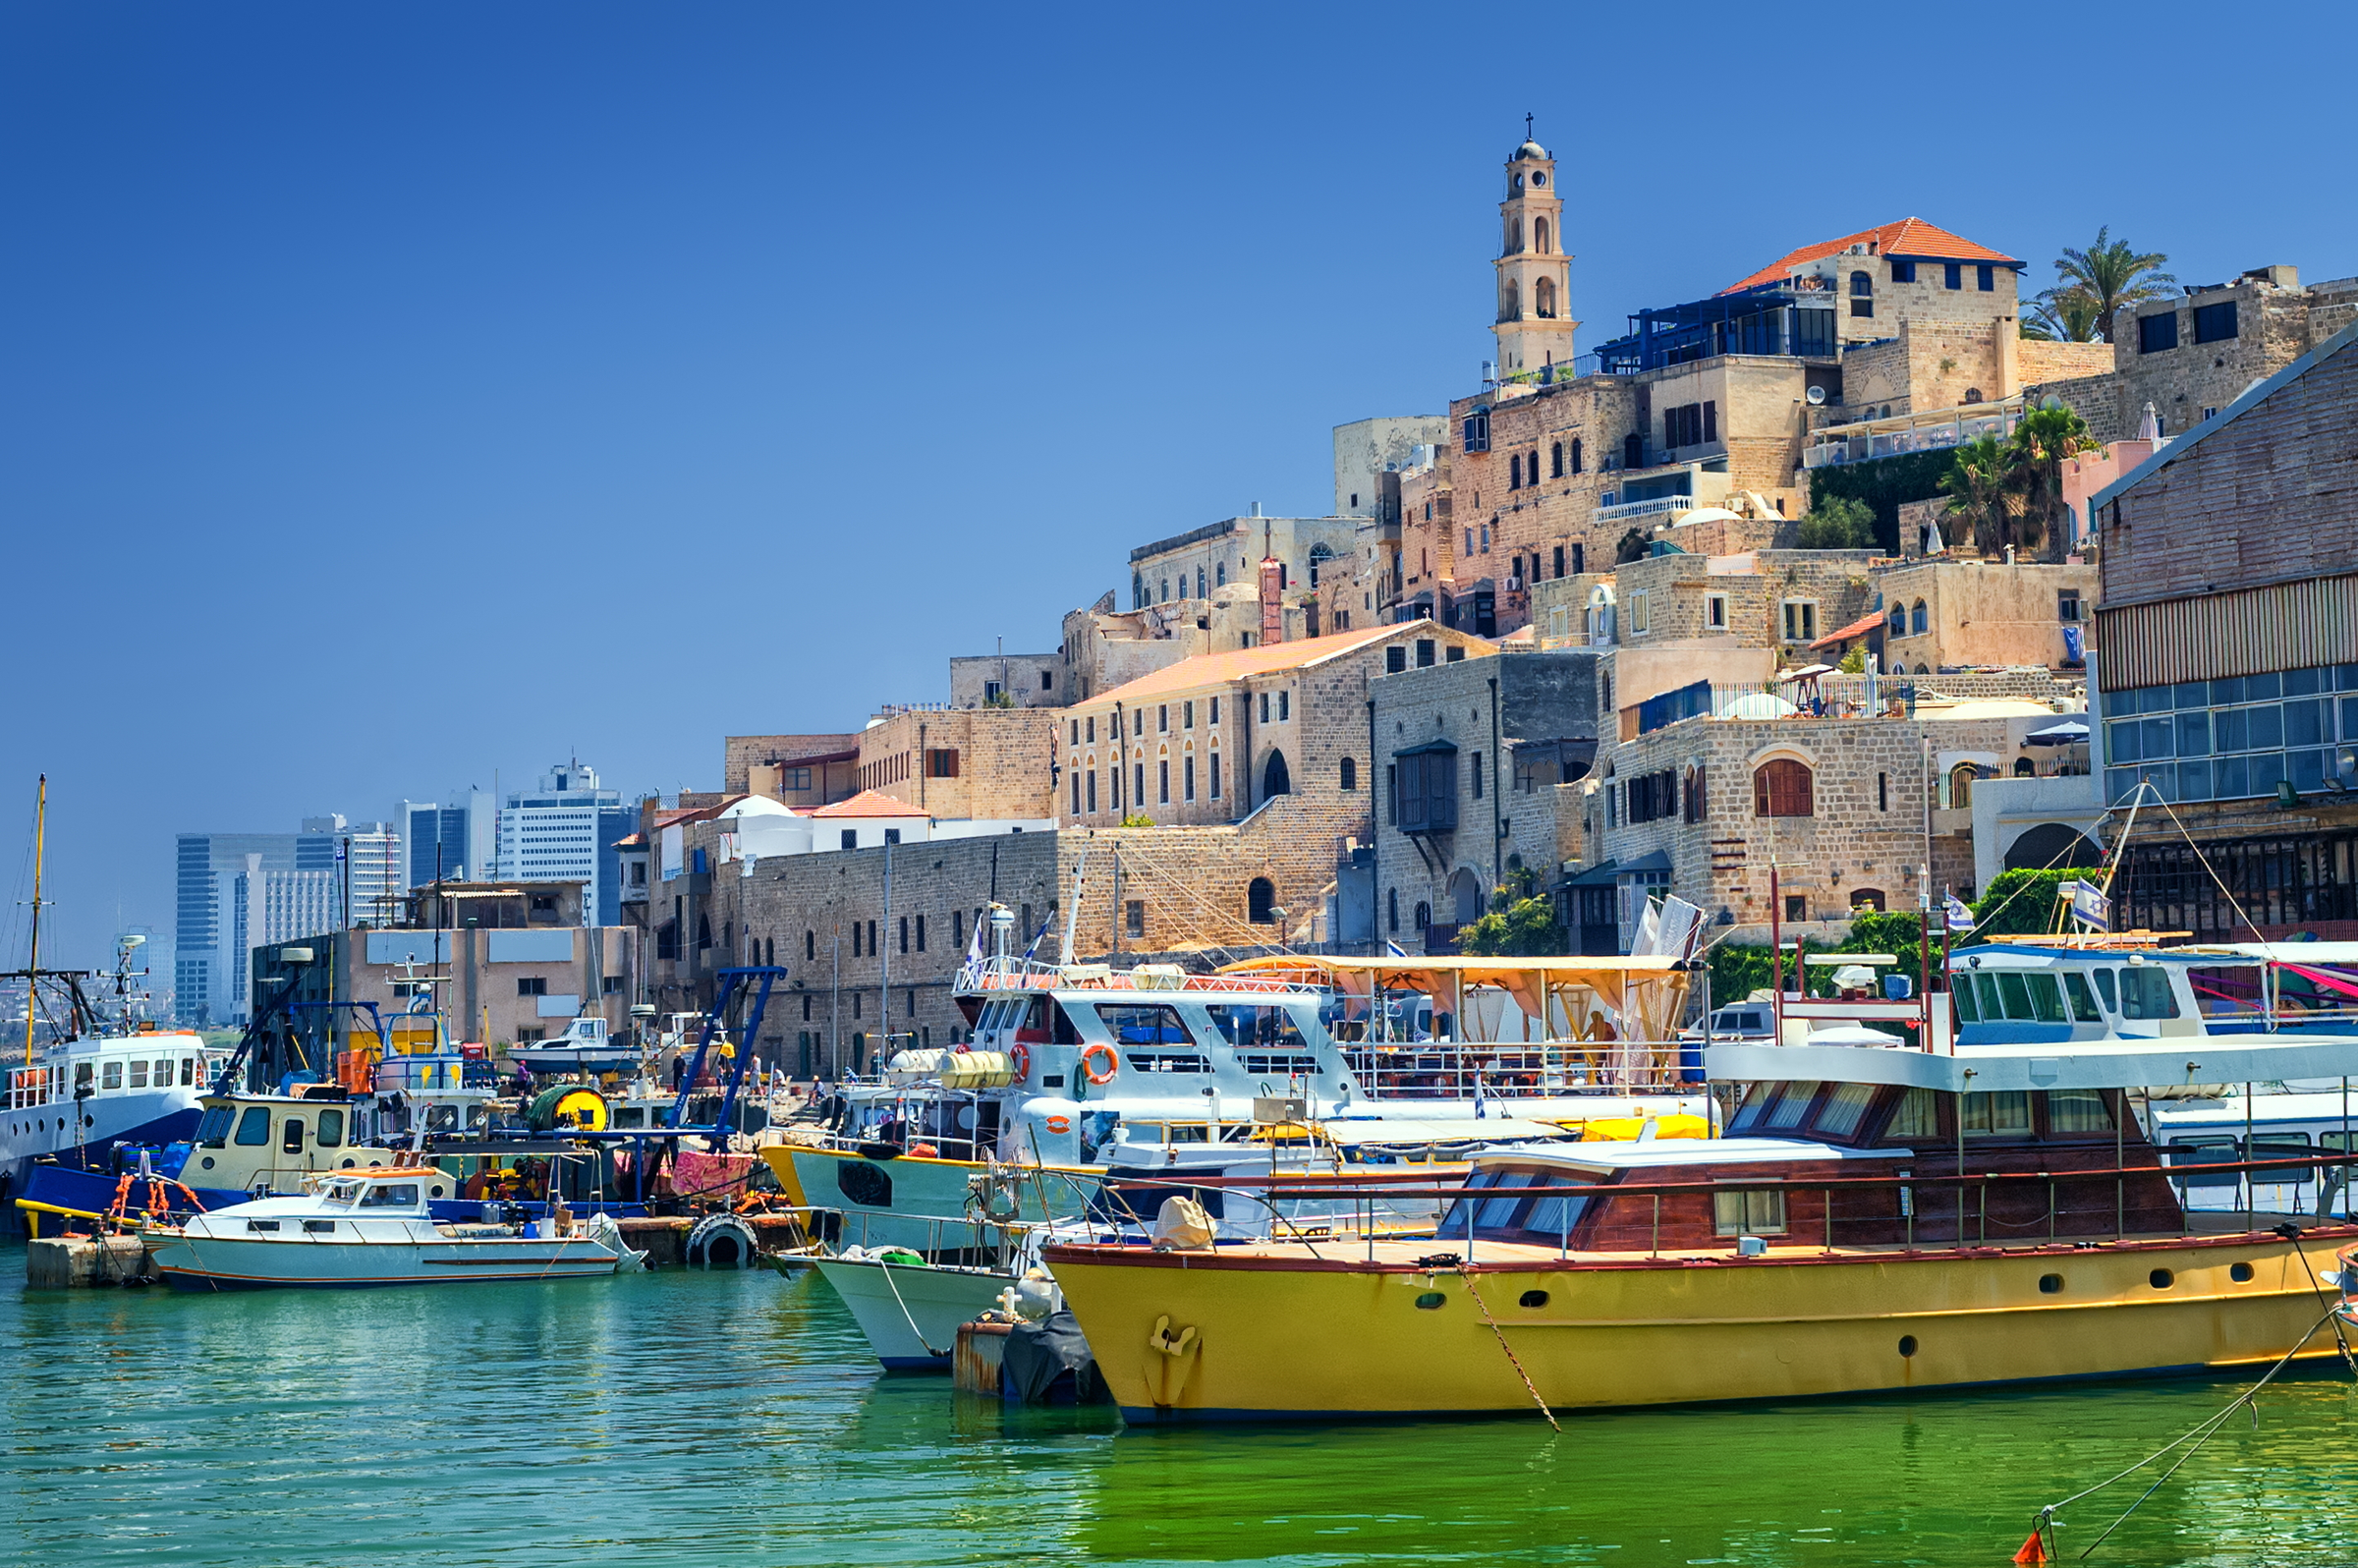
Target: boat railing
{"points": [[1917, 1209], [1477, 1069], [432, 1075], [1101, 977]]}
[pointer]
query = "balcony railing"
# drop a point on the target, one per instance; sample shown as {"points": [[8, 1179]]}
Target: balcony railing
{"points": [[1839, 444], [1672, 506]]}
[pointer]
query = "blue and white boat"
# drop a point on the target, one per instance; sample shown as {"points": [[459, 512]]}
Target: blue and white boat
{"points": [[83, 1096]]}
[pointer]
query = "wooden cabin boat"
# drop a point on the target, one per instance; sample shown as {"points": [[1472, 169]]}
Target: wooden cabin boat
{"points": [[1880, 1218]]}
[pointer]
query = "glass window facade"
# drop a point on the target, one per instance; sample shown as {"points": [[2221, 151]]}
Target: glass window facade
{"points": [[2233, 739]]}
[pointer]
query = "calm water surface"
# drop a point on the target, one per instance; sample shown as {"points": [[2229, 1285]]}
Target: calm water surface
{"points": [[687, 1418]]}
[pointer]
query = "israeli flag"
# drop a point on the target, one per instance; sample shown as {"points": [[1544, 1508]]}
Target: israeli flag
{"points": [[1960, 918], [1394, 950]]}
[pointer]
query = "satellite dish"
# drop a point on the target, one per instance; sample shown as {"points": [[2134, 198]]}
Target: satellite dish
{"points": [[1817, 397]]}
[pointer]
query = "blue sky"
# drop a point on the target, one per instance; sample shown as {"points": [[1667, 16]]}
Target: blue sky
{"points": [[394, 395]]}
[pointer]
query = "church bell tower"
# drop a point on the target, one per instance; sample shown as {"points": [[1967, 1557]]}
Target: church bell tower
{"points": [[1534, 326]]}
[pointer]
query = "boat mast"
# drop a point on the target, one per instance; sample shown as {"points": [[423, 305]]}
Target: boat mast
{"points": [[33, 967]]}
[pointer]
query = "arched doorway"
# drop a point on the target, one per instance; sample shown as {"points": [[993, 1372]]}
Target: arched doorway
{"points": [[2051, 845], [1261, 901], [1274, 779], [1465, 897]]}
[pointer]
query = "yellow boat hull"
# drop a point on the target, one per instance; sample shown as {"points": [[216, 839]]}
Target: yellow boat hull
{"points": [[1283, 1337]]}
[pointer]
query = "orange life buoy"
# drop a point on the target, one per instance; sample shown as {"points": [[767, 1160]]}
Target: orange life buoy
{"points": [[1112, 1063], [1020, 1056], [1060, 1124]]}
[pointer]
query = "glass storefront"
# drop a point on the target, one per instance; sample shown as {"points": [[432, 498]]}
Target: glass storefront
{"points": [[2234, 739]]}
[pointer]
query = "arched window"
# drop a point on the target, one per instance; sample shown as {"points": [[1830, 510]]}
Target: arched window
{"points": [[1514, 472], [1918, 620], [1424, 915], [1783, 787], [1973, 394], [1556, 464], [1261, 901], [1538, 236], [2023, 767], [1510, 306], [1960, 785], [1514, 237], [1867, 898], [1543, 298], [1576, 454], [1350, 771], [1862, 295], [1633, 451], [1274, 779], [1899, 620]]}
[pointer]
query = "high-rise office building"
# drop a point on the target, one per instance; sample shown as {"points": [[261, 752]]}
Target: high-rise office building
{"points": [[565, 830], [457, 841], [240, 890]]}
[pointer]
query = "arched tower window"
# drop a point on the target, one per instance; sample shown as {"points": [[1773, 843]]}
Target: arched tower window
{"points": [[1543, 298], [1538, 236], [1511, 304], [1261, 901], [1514, 237], [1514, 472], [1350, 771], [1576, 454], [1556, 460]]}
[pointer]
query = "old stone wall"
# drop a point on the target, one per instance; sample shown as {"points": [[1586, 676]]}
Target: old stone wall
{"points": [[739, 751], [1983, 612], [985, 762]]}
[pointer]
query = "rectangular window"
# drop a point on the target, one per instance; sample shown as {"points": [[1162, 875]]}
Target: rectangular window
{"points": [[1162, 793], [1134, 918], [2000, 1113], [1285, 707], [1801, 621], [534, 986], [1395, 659], [1918, 1116], [1423, 653], [1987, 276], [1559, 560], [1748, 1213], [2158, 332], [1163, 719], [1903, 272], [1138, 780], [1882, 792], [1216, 775], [1187, 715], [138, 1074], [1187, 776], [1215, 712], [1477, 775], [1638, 612], [1710, 421], [2214, 323], [903, 934], [1952, 274], [1092, 776], [941, 763], [2067, 604], [2077, 1110], [1076, 792]]}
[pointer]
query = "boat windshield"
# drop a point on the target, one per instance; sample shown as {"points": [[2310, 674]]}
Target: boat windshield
{"points": [[391, 1194], [213, 1130], [341, 1194]]}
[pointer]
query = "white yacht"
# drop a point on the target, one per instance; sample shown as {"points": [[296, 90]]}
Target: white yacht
{"points": [[377, 1228]]}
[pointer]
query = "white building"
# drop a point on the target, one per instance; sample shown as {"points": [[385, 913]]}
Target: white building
{"points": [[565, 830]]}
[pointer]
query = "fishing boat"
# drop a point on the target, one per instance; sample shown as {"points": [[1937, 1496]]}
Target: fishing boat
{"points": [[1074, 1068], [375, 1228], [585, 1047], [1884, 1214]]}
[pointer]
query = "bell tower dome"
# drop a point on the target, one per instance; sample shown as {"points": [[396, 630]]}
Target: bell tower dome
{"points": [[1534, 326]]}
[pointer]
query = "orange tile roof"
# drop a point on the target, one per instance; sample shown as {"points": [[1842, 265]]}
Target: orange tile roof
{"points": [[872, 803], [1211, 669], [1858, 628], [1909, 236]]}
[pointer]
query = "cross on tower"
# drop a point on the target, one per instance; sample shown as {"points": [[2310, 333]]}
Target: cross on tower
{"points": [[1527, 128]]}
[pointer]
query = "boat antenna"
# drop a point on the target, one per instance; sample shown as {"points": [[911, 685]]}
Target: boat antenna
{"points": [[32, 966]]}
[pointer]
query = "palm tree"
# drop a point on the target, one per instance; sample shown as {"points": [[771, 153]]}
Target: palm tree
{"points": [[2043, 438], [2112, 275], [1976, 482], [2062, 315]]}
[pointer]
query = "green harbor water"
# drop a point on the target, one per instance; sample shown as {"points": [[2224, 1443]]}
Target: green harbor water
{"points": [[690, 1417]]}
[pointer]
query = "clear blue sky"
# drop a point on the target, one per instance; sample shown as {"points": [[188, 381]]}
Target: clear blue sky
{"points": [[393, 394]]}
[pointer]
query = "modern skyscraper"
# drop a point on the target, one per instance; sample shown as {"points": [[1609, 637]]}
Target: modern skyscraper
{"points": [[565, 830], [238, 891], [457, 842]]}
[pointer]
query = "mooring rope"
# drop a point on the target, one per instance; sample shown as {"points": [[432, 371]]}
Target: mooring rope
{"points": [[1511, 1359]]}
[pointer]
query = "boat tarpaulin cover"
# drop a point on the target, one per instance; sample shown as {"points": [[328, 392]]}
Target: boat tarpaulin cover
{"points": [[1037, 1353]]}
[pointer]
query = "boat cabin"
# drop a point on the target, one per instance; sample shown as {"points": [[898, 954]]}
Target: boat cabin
{"points": [[2092, 988], [269, 1142]]}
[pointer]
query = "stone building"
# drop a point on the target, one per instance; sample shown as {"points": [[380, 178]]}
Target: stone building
{"points": [[1012, 680], [1481, 761], [1213, 738], [1366, 450], [1943, 613], [1195, 564], [798, 770], [2226, 660], [964, 762]]}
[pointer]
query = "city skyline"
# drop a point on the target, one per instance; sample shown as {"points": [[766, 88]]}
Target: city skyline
{"points": [[358, 374]]}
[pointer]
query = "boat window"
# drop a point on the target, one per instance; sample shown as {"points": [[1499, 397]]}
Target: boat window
{"points": [[331, 1129], [1245, 1025], [1755, 1103], [1141, 1025], [82, 1075], [1748, 1213], [1492, 1213], [2103, 988], [1961, 987], [110, 1074], [1046, 1013], [2077, 1110], [1286, 1066], [213, 1130], [1918, 1116], [2012, 987], [163, 1072], [391, 1196], [1992, 1010], [2227, 991], [2145, 993], [1453, 1222], [2282, 1145], [1555, 1216], [290, 1138], [1843, 1107], [1793, 1105], [1998, 1113], [254, 1126], [2204, 1152], [139, 1073], [2047, 998], [2083, 1005]]}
